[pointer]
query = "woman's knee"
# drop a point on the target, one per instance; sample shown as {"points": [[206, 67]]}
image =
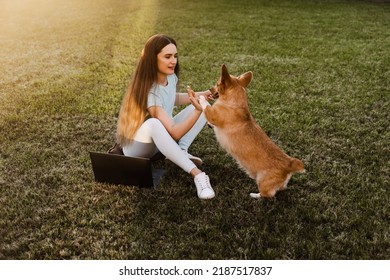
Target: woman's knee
{"points": [[145, 132], [155, 124]]}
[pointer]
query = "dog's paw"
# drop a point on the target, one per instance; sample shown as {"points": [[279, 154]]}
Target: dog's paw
{"points": [[255, 195], [203, 102]]}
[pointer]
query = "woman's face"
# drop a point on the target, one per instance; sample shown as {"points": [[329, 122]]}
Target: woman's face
{"points": [[167, 59]]}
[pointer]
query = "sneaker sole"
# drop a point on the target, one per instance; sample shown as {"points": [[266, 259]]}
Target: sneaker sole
{"points": [[197, 162]]}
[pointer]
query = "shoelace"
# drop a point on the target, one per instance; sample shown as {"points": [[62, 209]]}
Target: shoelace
{"points": [[204, 183]]}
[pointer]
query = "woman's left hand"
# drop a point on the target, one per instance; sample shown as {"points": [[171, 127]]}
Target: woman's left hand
{"points": [[194, 99]]}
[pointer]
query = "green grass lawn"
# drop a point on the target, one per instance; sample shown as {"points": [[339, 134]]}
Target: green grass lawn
{"points": [[321, 91]]}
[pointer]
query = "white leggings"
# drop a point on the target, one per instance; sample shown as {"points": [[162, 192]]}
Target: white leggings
{"points": [[152, 137]]}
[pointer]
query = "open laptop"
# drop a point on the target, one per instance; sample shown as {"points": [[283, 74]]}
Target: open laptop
{"points": [[124, 170]]}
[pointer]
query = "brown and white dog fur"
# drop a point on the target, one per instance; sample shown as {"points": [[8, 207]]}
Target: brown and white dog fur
{"points": [[237, 132]]}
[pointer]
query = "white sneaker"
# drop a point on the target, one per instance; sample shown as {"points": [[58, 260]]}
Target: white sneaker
{"points": [[203, 187], [198, 161]]}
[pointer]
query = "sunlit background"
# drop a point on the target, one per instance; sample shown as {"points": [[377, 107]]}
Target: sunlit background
{"points": [[45, 39]]}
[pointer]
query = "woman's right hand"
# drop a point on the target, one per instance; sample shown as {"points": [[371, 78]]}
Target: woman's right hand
{"points": [[193, 99]]}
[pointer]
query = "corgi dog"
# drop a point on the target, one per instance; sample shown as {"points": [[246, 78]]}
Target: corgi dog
{"points": [[237, 132]]}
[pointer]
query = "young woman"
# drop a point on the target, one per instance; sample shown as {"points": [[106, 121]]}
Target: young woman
{"points": [[146, 124]]}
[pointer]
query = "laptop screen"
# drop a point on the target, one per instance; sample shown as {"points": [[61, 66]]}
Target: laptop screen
{"points": [[122, 170]]}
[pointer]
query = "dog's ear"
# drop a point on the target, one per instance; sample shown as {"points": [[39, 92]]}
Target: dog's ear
{"points": [[225, 77], [245, 79]]}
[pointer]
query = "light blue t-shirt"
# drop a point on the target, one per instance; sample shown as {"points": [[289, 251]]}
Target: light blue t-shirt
{"points": [[164, 96]]}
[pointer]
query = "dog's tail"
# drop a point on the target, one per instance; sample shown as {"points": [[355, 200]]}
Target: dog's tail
{"points": [[296, 165]]}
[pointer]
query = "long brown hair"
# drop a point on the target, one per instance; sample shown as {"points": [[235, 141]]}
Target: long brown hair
{"points": [[133, 110]]}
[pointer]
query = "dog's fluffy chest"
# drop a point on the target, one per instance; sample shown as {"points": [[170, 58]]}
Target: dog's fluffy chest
{"points": [[222, 138], [242, 144], [234, 137]]}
